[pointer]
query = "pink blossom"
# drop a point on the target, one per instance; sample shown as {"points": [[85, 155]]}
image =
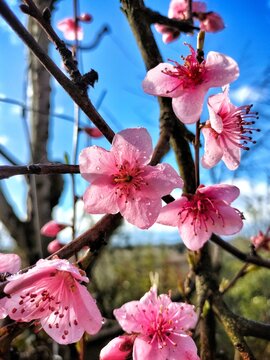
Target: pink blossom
{"points": [[93, 132], [70, 30], [122, 181], [187, 84], [261, 240], [207, 211], [227, 131], [178, 9], [211, 22], [52, 293], [118, 349], [52, 228], [9, 263], [54, 246], [162, 327], [169, 34]]}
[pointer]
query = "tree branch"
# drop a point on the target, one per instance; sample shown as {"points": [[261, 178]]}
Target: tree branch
{"points": [[76, 93]]}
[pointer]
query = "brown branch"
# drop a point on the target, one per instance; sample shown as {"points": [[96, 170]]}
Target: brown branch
{"points": [[76, 93], [248, 258], [9, 157], [154, 17], [103, 31], [7, 171]]}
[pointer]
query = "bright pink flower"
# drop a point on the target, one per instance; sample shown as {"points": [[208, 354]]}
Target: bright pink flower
{"points": [[227, 131], [118, 348], [261, 240], [187, 84], [122, 181], [70, 30], [207, 211], [52, 228], [54, 246], [52, 293], [169, 34], [162, 327], [211, 22], [93, 132], [9, 263], [178, 8]]}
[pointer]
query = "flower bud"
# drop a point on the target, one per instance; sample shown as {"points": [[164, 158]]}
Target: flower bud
{"points": [[54, 246], [118, 349], [85, 17], [93, 132], [52, 228]]}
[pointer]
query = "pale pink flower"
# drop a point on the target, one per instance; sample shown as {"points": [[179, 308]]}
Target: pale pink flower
{"points": [[70, 30], [211, 22], [199, 215], [178, 8], [187, 84], [52, 228], [162, 327], [169, 34], [54, 246], [261, 240], [52, 293], [94, 132], [118, 348], [227, 131], [122, 181], [9, 263]]}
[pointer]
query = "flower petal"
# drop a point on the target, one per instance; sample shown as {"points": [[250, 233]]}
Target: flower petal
{"points": [[162, 179], [169, 214], [230, 222], [194, 236], [212, 151], [142, 212], [95, 161], [10, 263], [231, 154], [221, 69], [185, 349], [133, 145], [188, 106], [160, 84], [222, 192], [100, 197], [128, 316]]}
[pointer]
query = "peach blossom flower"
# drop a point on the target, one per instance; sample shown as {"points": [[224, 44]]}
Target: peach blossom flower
{"points": [[261, 240], [227, 131], [162, 327], [52, 228], [199, 215], [122, 181], [187, 84], [52, 293], [70, 30]]}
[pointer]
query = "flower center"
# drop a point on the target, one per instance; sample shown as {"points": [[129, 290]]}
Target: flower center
{"points": [[191, 74], [202, 212], [237, 127], [128, 179]]}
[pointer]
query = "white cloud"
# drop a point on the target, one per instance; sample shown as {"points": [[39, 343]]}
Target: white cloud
{"points": [[4, 140], [247, 94]]}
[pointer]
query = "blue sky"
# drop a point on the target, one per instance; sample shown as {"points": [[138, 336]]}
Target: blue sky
{"points": [[121, 71]]}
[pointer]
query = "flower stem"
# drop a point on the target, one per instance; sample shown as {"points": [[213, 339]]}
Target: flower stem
{"points": [[197, 154]]}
